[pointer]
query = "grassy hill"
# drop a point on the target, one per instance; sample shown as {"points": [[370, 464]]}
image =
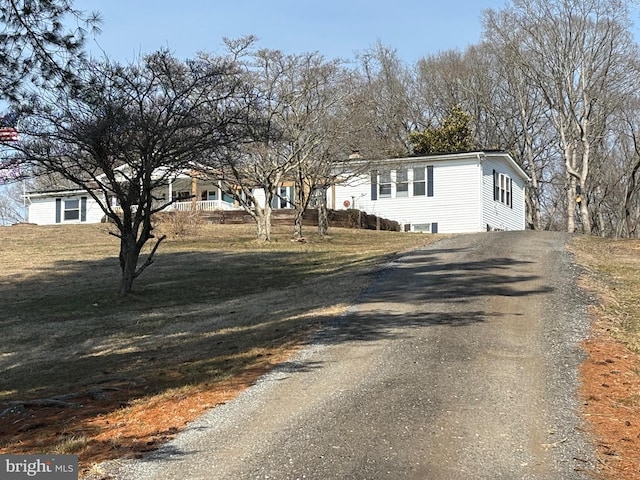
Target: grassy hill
{"points": [[213, 312]]}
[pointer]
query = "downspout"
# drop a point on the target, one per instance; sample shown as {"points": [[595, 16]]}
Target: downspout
{"points": [[333, 197], [481, 225]]}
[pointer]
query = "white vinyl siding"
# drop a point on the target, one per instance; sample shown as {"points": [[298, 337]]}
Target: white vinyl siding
{"points": [[499, 214], [42, 210], [454, 205]]}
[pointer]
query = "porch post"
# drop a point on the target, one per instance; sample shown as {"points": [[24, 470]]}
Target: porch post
{"points": [[219, 196], [194, 192]]}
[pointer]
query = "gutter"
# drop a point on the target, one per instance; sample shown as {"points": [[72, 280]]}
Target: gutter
{"points": [[480, 156], [59, 193]]}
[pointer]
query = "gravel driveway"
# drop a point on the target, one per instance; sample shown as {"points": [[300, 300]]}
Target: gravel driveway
{"points": [[460, 362]]}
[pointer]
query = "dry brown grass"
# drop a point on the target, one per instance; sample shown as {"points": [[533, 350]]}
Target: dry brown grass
{"points": [[212, 313], [614, 266], [610, 380]]}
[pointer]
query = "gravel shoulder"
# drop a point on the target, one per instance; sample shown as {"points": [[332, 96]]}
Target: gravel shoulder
{"points": [[460, 361]]}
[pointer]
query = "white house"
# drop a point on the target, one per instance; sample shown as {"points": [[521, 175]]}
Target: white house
{"points": [[187, 192], [453, 193]]}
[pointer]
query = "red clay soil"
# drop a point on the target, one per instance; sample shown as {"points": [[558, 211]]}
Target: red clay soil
{"points": [[611, 402]]}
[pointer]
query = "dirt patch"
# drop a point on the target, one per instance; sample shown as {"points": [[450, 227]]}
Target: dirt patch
{"points": [[611, 395]]}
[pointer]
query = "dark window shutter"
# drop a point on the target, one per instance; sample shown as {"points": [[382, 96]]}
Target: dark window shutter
{"points": [[83, 209], [374, 185], [58, 210], [430, 181], [496, 187], [510, 192], [434, 227]]}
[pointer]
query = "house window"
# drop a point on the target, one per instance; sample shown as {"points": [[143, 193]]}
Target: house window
{"points": [[384, 184], [282, 194], [423, 184], [283, 198], [71, 209], [212, 195], [425, 227], [419, 184], [502, 188], [402, 183]]}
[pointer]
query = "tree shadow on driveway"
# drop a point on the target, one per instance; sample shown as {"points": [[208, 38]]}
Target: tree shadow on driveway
{"points": [[424, 289]]}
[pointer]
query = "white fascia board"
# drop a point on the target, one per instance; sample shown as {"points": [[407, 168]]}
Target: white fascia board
{"points": [[60, 193]]}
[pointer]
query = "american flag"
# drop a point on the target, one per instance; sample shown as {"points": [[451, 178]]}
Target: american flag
{"points": [[8, 131]]}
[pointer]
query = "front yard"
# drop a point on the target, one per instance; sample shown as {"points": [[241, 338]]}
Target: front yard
{"points": [[86, 372]]}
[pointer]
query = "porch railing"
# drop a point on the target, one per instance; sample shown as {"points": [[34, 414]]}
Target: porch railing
{"points": [[201, 206]]}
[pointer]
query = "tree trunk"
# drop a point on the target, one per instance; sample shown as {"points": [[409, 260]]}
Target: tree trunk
{"points": [[297, 222], [323, 216], [629, 193], [599, 216], [585, 218], [263, 221], [302, 193], [584, 206], [129, 254], [571, 204], [534, 201]]}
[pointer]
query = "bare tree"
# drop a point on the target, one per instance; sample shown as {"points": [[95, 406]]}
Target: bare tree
{"points": [[516, 119], [322, 128], [125, 132], [298, 128], [266, 156], [575, 53], [11, 204], [617, 181], [387, 91]]}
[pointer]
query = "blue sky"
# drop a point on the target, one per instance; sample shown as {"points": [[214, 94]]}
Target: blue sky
{"points": [[335, 28]]}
